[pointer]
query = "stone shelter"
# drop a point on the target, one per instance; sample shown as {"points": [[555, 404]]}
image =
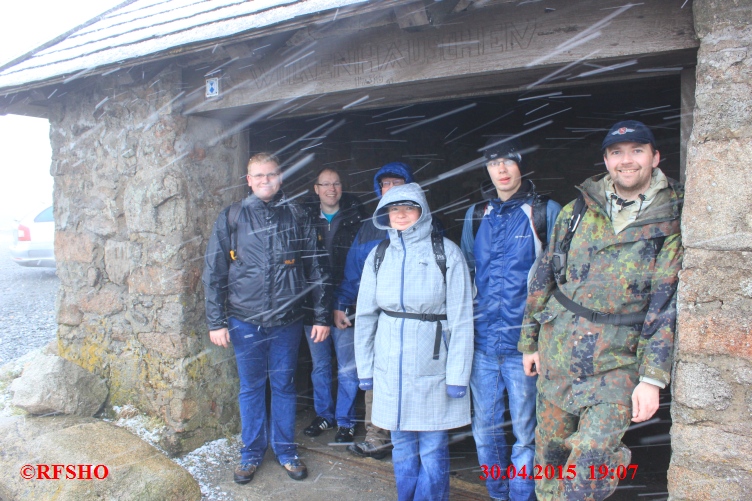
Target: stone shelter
{"points": [[155, 107]]}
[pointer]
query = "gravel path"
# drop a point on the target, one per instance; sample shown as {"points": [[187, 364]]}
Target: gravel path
{"points": [[27, 305]]}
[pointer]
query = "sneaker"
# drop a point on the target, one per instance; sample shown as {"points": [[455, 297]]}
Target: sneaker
{"points": [[244, 473], [373, 448], [295, 469], [317, 426], [345, 434]]}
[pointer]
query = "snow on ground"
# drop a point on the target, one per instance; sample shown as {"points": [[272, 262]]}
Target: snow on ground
{"points": [[202, 463]]}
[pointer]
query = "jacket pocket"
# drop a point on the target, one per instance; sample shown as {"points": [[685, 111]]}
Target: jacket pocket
{"points": [[550, 312], [381, 347], [446, 335], [598, 348], [552, 341]]}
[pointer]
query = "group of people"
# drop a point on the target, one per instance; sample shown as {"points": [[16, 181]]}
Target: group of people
{"points": [[564, 318]]}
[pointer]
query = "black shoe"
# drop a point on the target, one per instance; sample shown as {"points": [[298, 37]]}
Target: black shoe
{"points": [[295, 469], [244, 473], [317, 426], [345, 434], [369, 449]]}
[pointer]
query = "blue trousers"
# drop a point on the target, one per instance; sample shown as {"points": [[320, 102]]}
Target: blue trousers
{"points": [[342, 340], [263, 353], [421, 465], [492, 377]]}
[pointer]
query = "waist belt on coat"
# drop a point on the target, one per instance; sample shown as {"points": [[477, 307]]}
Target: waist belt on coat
{"points": [[423, 317], [598, 317]]}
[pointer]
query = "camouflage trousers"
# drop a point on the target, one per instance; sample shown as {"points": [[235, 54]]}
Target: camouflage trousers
{"points": [[590, 438]]}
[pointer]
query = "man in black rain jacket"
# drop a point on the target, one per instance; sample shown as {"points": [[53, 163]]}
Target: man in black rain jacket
{"points": [[261, 261]]}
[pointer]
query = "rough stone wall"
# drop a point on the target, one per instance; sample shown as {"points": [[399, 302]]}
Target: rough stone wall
{"points": [[711, 434], [137, 189]]}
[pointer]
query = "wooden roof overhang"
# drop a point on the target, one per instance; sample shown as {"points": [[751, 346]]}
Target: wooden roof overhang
{"points": [[395, 52]]}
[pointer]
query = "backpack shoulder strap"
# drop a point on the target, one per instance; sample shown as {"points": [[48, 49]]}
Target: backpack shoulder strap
{"points": [[233, 215], [479, 210], [578, 211], [559, 260], [378, 258], [437, 241], [232, 224], [540, 219]]}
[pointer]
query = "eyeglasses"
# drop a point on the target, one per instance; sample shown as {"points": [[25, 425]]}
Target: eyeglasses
{"points": [[258, 177], [326, 186], [506, 162], [387, 184], [402, 208]]}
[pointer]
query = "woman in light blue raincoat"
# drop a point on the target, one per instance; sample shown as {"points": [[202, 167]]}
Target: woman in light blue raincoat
{"points": [[414, 343]]}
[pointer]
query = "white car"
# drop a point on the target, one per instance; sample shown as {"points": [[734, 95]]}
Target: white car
{"points": [[34, 240]]}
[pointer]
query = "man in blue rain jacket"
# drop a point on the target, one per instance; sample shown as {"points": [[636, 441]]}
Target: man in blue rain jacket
{"points": [[514, 228]]}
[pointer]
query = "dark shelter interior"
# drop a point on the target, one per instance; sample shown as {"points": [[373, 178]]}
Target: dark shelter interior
{"points": [[561, 133]]}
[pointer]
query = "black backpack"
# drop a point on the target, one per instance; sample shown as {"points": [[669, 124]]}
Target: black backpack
{"points": [[540, 221], [437, 242], [232, 224]]}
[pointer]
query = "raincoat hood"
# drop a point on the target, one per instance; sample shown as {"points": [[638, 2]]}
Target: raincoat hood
{"points": [[393, 169], [412, 192]]}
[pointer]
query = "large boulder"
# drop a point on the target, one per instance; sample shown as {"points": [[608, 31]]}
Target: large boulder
{"points": [[51, 385], [131, 468]]}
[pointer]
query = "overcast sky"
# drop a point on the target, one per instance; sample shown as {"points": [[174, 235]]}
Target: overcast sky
{"points": [[25, 180]]}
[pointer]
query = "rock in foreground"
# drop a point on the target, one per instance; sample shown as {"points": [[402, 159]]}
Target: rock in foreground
{"points": [[51, 384], [132, 469]]}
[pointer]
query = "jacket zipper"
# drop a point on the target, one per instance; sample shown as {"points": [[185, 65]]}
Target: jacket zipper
{"points": [[272, 269], [655, 220], [402, 331]]}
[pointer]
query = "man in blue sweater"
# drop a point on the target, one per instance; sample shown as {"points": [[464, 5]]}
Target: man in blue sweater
{"points": [[514, 226]]}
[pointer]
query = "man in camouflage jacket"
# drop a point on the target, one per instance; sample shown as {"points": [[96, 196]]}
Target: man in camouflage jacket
{"points": [[596, 373]]}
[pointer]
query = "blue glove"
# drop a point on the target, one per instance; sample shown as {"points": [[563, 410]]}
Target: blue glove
{"points": [[366, 384], [456, 391]]}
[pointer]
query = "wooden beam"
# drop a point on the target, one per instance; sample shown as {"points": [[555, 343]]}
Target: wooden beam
{"points": [[460, 87], [411, 15], [22, 104], [462, 5], [580, 41], [342, 27], [438, 11]]}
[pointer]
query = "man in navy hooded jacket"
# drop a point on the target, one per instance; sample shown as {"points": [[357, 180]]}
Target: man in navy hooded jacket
{"points": [[502, 254], [377, 442]]}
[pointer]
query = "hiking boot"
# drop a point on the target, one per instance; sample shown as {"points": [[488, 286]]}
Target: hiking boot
{"points": [[317, 426], [371, 448], [295, 469], [244, 473], [345, 434]]}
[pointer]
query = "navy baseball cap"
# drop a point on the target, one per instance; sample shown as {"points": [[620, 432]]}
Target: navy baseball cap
{"points": [[629, 131]]}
